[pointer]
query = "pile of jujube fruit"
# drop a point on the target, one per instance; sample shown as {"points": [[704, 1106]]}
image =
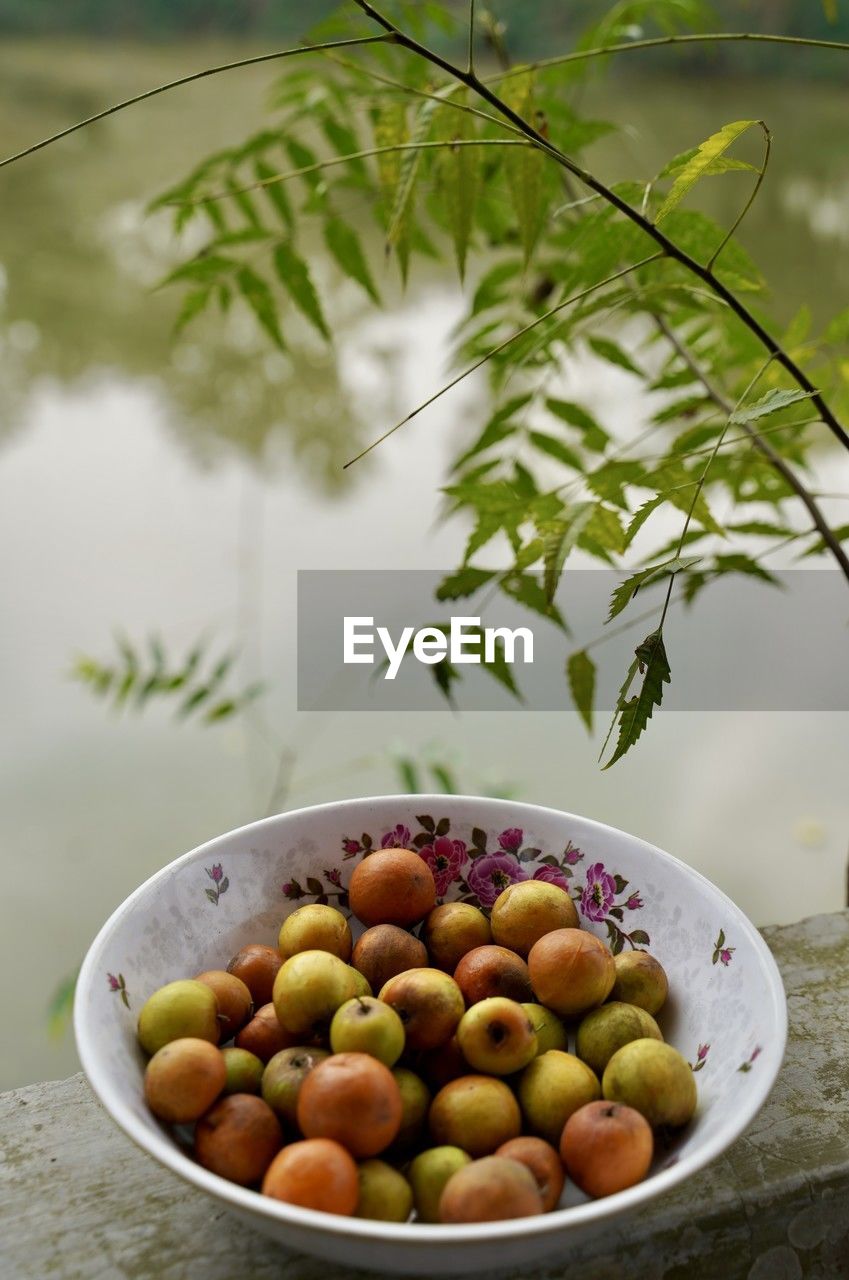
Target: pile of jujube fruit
{"points": [[422, 1070]]}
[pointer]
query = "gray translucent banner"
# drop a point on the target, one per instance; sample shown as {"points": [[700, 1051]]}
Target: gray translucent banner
{"points": [[743, 645]]}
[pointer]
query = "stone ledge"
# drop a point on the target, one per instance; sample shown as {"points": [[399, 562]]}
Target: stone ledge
{"points": [[78, 1200]]}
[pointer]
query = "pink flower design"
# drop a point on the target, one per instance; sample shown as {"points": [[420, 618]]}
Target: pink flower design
{"points": [[551, 875], [721, 951], [351, 847], [333, 875], [292, 890], [598, 893], [702, 1052], [756, 1053], [572, 855], [725, 955], [634, 902], [491, 873], [118, 984], [221, 882], [397, 838], [114, 984], [445, 857], [215, 873], [511, 839]]}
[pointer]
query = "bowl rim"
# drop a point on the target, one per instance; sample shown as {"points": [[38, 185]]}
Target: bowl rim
{"points": [[246, 1200]]}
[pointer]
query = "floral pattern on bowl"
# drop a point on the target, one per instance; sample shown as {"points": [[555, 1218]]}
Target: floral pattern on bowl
{"points": [[726, 1010]]}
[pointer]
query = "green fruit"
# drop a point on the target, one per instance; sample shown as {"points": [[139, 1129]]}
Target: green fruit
{"points": [[640, 980], [654, 1079], [554, 1086], [178, 1010], [244, 1071], [385, 1194], [366, 1025], [308, 989], [361, 983], [428, 1174], [497, 1036], [551, 1033], [415, 1101], [607, 1029], [315, 927], [283, 1076]]}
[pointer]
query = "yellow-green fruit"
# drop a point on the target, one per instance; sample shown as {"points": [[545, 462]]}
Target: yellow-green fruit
{"points": [[244, 1071], [525, 912], [315, 927], [177, 1010], [477, 1113], [309, 988], [654, 1079], [551, 1088], [366, 1025], [183, 1079], [428, 1174], [640, 980], [551, 1033], [607, 1029], [385, 1194], [497, 1036], [361, 983], [415, 1103]]}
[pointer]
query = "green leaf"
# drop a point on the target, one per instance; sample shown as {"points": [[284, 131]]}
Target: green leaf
{"points": [[829, 8], [772, 402], [555, 449], [595, 437], [465, 582], [193, 304], [558, 539], [345, 247], [611, 351], [496, 430], [524, 166], [737, 562], [525, 588], [604, 529], [259, 298], [293, 274], [275, 192], [635, 712], [460, 169], [639, 518], [581, 673], [722, 164], [624, 593], [206, 268], [700, 163]]}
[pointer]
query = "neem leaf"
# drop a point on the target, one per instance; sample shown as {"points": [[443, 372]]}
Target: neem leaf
{"points": [[778, 398], [345, 247], [634, 713], [625, 592], [581, 672], [293, 274], [701, 163]]}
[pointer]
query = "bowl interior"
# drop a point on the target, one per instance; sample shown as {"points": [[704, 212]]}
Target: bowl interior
{"points": [[726, 1011]]}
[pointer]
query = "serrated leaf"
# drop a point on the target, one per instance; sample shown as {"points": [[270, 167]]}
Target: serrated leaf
{"points": [[722, 164], [555, 449], [558, 539], [390, 129], [293, 274], [496, 430], [737, 562], [460, 169], [465, 582], [774, 400], [345, 247], [524, 166], [260, 299], [624, 593], [275, 192], [635, 712], [595, 437], [581, 673], [607, 349], [700, 163], [640, 517], [525, 588], [603, 529]]}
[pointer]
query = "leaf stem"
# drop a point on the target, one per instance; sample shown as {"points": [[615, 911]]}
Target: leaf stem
{"points": [[670, 248], [657, 42], [196, 75], [751, 200], [355, 155], [471, 37], [575, 297], [775, 459]]}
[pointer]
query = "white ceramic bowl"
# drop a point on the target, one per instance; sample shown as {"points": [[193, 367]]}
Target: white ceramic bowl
{"points": [[726, 1012]]}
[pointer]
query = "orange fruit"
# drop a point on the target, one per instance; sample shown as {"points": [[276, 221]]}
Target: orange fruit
{"points": [[317, 1173], [392, 886], [353, 1099]]}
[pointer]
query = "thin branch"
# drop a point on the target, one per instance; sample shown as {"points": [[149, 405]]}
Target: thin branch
{"points": [[669, 247], [656, 42], [719, 398], [355, 155], [196, 75], [751, 200], [576, 297], [471, 37]]}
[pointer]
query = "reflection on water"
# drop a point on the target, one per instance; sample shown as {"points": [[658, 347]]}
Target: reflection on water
{"points": [[149, 483]]}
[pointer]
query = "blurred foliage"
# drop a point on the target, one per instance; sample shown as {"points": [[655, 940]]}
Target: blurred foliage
{"points": [[557, 274]]}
